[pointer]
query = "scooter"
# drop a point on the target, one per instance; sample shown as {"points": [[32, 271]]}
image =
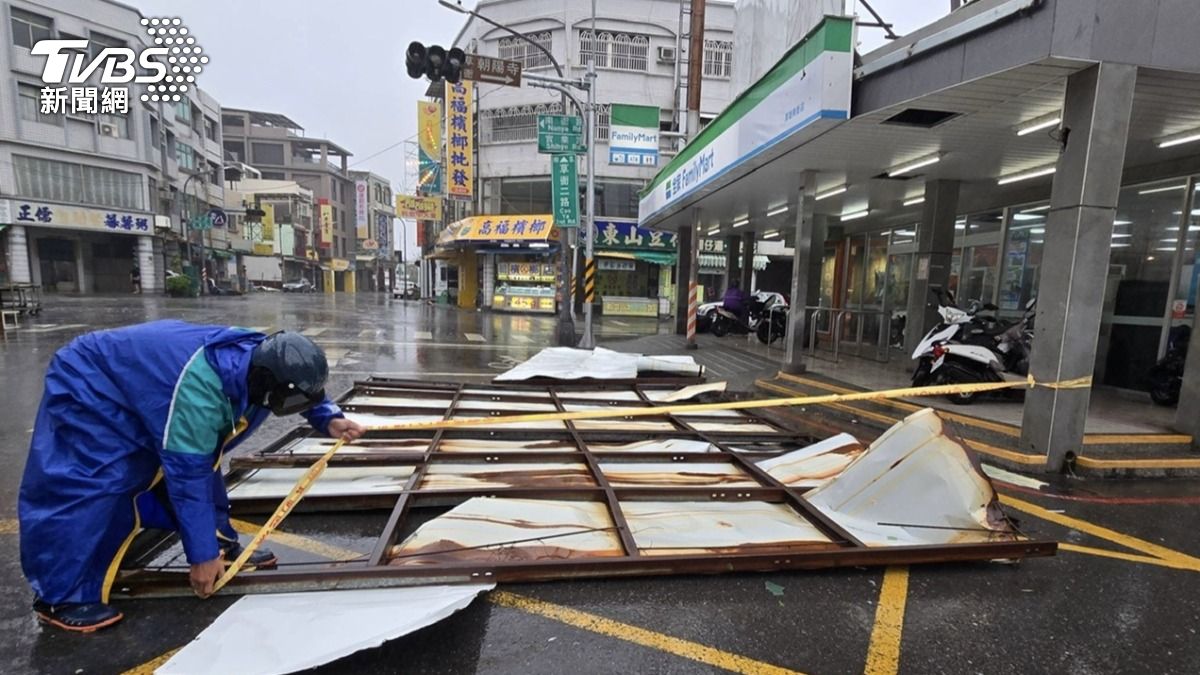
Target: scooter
{"points": [[995, 353], [725, 322], [773, 326], [1166, 376]]}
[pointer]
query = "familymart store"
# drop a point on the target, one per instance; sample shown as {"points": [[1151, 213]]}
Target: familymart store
{"points": [[1000, 153]]}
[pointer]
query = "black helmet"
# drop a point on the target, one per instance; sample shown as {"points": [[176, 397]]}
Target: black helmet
{"points": [[287, 373]]}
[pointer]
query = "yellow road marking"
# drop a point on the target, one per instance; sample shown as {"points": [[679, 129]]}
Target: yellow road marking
{"points": [[1182, 560], [150, 666], [9, 526], [1147, 463], [1103, 439], [1127, 557], [883, 654], [640, 636], [298, 542]]}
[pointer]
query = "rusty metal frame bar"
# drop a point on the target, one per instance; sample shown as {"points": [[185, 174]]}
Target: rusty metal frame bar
{"points": [[842, 550]]}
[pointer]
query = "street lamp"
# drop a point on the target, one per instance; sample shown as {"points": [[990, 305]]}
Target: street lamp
{"points": [[183, 223], [566, 322]]}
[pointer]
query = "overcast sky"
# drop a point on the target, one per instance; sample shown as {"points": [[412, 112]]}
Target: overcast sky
{"points": [[337, 68]]}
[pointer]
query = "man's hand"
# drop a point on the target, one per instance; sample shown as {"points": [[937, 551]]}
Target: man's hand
{"points": [[203, 576], [347, 430]]}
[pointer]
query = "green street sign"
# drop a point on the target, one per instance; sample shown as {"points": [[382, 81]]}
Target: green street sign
{"points": [[560, 133], [564, 180], [201, 223]]}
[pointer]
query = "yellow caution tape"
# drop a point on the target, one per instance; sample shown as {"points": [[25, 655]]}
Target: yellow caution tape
{"points": [[700, 408], [285, 507], [306, 481]]}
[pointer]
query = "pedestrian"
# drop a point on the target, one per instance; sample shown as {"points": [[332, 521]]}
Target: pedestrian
{"points": [[735, 301], [135, 279], [130, 434]]}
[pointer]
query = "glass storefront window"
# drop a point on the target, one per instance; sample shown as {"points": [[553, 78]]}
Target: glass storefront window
{"points": [[1022, 259], [1145, 236]]}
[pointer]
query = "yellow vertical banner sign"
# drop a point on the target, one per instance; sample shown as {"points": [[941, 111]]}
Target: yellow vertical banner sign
{"points": [[429, 147], [268, 222], [460, 139], [326, 225]]}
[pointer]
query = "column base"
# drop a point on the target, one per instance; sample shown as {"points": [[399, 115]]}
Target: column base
{"points": [[691, 345], [794, 368]]}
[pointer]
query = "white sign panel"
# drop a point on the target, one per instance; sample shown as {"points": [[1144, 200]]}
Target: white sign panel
{"points": [[815, 97], [41, 214], [361, 209], [636, 146]]}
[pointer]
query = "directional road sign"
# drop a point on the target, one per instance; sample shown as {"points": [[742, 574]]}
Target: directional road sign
{"points": [[492, 71], [203, 222], [560, 133], [565, 180]]}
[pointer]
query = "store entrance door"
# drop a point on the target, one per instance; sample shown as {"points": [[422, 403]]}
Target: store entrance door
{"points": [[57, 264]]}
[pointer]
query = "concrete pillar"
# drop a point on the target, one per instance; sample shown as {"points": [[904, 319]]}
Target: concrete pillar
{"points": [[147, 264], [731, 260], [683, 272], [81, 277], [747, 267], [693, 280], [1083, 203], [468, 279], [806, 268], [18, 255], [931, 263]]}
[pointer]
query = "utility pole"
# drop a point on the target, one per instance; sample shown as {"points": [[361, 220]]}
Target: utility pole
{"points": [[695, 75], [589, 218]]}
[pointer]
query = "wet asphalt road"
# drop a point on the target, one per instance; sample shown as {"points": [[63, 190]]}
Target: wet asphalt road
{"points": [[1084, 611]]}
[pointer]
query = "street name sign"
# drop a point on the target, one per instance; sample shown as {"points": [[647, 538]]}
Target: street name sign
{"points": [[560, 133], [564, 178], [492, 71]]}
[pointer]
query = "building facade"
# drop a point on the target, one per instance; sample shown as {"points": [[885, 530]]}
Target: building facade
{"points": [[86, 196], [278, 245], [375, 216], [640, 52], [276, 146]]}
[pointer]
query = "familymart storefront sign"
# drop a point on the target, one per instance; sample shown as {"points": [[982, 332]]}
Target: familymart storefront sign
{"points": [[807, 92]]}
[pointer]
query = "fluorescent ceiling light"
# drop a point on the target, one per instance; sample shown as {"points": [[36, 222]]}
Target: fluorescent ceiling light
{"points": [[855, 215], [740, 223], [1167, 248], [1025, 175], [1179, 139], [1038, 230], [906, 233], [714, 230], [1168, 188], [831, 192], [778, 210], [1172, 240], [1120, 245], [1121, 235], [1122, 222], [1027, 216], [1195, 212], [770, 234], [915, 164], [1039, 123], [914, 201], [539, 245], [1044, 207]]}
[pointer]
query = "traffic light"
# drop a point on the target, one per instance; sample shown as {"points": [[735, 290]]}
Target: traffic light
{"points": [[434, 62]]}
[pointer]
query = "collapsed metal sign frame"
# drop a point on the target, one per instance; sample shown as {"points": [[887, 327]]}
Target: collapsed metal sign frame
{"points": [[767, 437]]}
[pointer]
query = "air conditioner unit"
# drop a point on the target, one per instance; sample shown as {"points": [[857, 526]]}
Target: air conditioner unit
{"points": [[109, 130], [666, 55]]}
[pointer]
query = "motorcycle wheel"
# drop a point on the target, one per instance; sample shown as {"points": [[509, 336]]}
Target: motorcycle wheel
{"points": [[720, 326], [765, 334], [953, 375], [1164, 394]]}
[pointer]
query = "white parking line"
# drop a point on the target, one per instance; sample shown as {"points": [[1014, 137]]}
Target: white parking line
{"points": [[476, 337], [423, 335]]}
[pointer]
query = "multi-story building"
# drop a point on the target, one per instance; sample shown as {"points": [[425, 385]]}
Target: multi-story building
{"points": [[374, 219], [278, 243], [276, 145], [640, 51], [86, 196]]}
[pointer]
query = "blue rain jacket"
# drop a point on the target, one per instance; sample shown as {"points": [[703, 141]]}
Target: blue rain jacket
{"points": [[123, 409]]}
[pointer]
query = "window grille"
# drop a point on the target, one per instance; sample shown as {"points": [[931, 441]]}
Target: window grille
{"points": [[718, 58]]}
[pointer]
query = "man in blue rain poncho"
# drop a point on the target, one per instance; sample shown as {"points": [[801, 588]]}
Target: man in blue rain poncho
{"points": [[129, 435]]}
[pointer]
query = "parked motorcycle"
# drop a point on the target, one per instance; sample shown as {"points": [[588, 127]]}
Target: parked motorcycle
{"points": [[972, 346], [725, 322], [1166, 376], [773, 326]]}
